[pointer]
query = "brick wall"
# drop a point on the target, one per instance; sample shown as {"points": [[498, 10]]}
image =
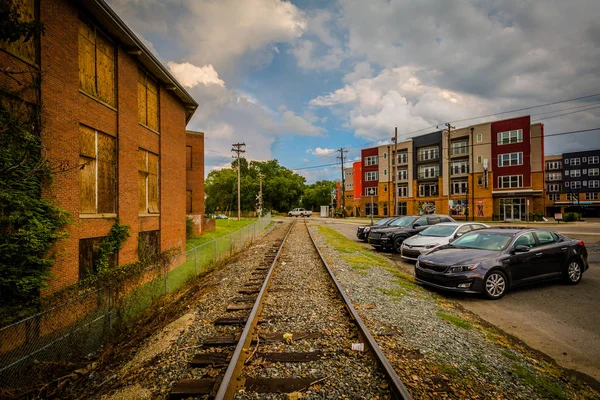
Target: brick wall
{"points": [[65, 107], [195, 176]]}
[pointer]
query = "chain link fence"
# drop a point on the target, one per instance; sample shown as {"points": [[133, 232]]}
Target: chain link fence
{"points": [[35, 350]]}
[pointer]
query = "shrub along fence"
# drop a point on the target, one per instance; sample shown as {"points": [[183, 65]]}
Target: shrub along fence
{"points": [[34, 349]]}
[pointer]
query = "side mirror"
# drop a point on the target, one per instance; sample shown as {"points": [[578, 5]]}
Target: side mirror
{"points": [[416, 225], [521, 249], [458, 235]]}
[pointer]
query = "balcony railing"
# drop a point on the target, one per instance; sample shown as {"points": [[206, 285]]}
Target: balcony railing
{"points": [[464, 169], [460, 150], [428, 175]]}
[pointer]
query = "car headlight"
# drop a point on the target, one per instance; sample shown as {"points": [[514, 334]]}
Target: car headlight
{"points": [[462, 268], [367, 229], [431, 246], [388, 234]]}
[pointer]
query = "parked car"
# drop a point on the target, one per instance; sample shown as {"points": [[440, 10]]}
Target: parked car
{"points": [[437, 235], [490, 261], [391, 237], [221, 216], [362, 232]]}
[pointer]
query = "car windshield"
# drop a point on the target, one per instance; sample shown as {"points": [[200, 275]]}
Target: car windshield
{"points": [[483, 241], [439, 230], [404, 221], [382, 221]]}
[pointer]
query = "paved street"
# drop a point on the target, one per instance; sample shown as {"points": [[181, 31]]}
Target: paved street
{"points": [[562, 321]]}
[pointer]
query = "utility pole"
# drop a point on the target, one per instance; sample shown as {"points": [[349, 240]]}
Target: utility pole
{"points": [[237, 148], [260, 177], [341, 157], [450, 127], [395, 170]]}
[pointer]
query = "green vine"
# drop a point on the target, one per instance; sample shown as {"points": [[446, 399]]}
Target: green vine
{"points": [[111, 245]]}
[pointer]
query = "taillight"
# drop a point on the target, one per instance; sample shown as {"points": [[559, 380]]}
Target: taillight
{"points": [[580, 243]]}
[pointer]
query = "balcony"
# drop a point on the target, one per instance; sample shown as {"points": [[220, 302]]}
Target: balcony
{"points": [[459, 150], [459, 170], [402, 159], [428, 175]]}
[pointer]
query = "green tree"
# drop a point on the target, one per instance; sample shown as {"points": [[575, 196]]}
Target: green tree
{"points": [[318, 194]]}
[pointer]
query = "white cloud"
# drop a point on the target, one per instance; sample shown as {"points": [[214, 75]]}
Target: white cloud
{"points": [[361, 70], [293, 123], [305, 51], [323, 152], [190, 75]]}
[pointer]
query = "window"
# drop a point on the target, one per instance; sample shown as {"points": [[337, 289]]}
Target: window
{"points": [[554, 176], [572, 196], [479, 138], [401, 208], [188, 202], [459, 167], [148, 182], [459, 147], [148, 244], [480, 180], [96, 63], [567, 172], [591, 196], [510, 136], [385, 172], [545, 237], [429, 171], [403, 174], [371, 160], [384, 156], [594, 171], [147, 100], [371, 191], [525, 239], [371, 176], [554, 187], [593, 184], [510, 159], [566, 184], [479, 159], [510, 181], [89, 253], [97, 172], [576, 185], [402, 190], [584, 183], [460, 187], [575, 161], [402, 157], [593, 159], [428, 189], [429, 153], [385, 188], [25, 50], [553, 165], [575, 173], [188, 157], [554, 197]]}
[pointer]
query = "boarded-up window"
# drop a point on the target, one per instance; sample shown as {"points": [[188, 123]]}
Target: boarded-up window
{"points": [[188, 157], [188, 204], [148, 244], [96, 63], [148, 182], [147, 100], [97, 172], [24, 49], [88, 256]]}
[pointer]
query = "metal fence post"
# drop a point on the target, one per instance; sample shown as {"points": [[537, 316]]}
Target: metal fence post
{"points": [[231, 244], [195, 262], [215, 247]]}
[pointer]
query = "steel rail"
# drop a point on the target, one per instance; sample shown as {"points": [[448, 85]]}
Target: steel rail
{"points": [[397, 386], [227, 388]]}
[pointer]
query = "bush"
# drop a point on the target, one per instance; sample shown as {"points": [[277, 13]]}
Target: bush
{"points": [[495, 217], [570, 216], [189, 227]]}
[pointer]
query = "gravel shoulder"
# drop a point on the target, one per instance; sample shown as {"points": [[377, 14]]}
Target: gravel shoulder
{"points": [[437, 347]]}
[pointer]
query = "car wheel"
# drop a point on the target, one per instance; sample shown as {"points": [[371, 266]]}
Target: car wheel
{"points": [[573, 272], [398, 245], [496, 285]]}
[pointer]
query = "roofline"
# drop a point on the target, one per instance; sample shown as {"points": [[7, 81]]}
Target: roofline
{"points": [[190, 132], [115, 25]]}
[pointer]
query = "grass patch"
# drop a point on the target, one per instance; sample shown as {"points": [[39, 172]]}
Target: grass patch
{"points": [[509, 354], [454, 320], [543, 386], [395, 293], [352, 253], [224, 227]]}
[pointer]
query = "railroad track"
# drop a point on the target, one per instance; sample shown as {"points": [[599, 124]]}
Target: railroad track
{"points": [[300, 334]]}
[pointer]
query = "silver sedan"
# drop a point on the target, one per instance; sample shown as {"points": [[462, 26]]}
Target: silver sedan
{"points": [[436, 235]]}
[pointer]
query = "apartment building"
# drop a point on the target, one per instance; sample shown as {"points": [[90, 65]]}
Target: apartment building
{"points": [[113, 125], [573, 183], [356, 188], [370, 181], [492, 170]]}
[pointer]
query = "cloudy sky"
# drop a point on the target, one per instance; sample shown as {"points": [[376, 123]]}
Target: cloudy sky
{"points": [[297, 80]]}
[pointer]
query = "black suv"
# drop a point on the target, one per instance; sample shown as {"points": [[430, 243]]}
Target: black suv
{"points": [[391, 237], [362, 232]]}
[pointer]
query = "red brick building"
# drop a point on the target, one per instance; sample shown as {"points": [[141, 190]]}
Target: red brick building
{"points": [[113, 123], [194, 178]]}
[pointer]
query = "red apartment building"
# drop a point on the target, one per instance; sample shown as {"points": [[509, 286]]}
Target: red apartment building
{"points": [[370, 180], [113, 125]]}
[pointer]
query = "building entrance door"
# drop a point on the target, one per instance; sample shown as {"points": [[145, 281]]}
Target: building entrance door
{"points": [[512, 209]]}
